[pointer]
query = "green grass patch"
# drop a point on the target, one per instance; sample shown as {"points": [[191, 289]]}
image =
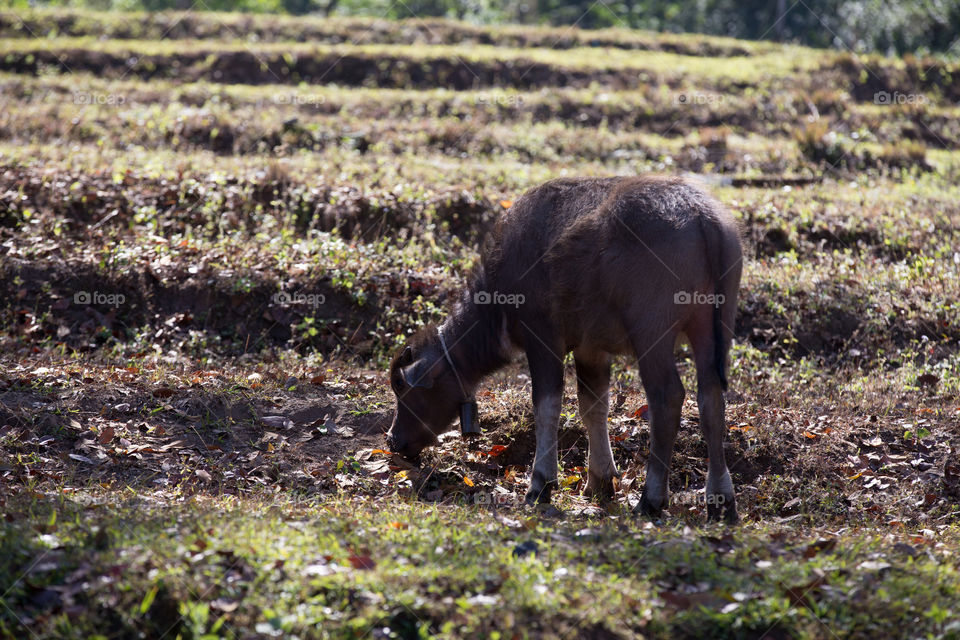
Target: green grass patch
{"points": [[344, 567]]}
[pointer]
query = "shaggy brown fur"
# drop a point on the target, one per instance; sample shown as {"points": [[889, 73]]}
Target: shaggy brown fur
{"points": [[598, 267]]}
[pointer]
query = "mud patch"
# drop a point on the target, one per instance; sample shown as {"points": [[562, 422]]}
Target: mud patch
{"points": [[87, 310]]}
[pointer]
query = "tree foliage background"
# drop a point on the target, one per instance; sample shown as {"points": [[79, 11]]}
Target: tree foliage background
{"points": [[861, 25]]}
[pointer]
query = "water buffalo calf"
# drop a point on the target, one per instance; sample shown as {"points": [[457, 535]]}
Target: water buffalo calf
{"points": [[598, 267]]}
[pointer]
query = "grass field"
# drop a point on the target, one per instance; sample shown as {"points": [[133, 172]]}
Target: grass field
{"points": [[216, 229]]}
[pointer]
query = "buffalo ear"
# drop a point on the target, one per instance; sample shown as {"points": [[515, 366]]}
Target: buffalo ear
{"points": [[417, 375], [406, 356]]}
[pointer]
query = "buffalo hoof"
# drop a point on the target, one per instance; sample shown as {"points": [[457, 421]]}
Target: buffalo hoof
{"points": [[647, 507], [540, 490], [601, 488], [722, 508]]}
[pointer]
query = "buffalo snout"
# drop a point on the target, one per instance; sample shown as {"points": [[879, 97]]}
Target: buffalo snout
{"points": [[408, 446]]}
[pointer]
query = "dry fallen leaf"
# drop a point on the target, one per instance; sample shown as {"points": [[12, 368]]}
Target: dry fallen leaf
{"points": [[106, 435], [364, 563]]}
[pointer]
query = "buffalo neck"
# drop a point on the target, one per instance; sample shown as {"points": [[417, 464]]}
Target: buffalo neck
{"points": [[473, 335]]}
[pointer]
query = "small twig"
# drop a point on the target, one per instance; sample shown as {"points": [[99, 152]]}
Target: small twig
{"points": [[103, 220]]}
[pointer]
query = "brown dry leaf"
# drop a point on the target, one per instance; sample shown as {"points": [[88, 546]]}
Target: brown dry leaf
{"points": [[641, 413], [106, 435], [364, 563], [163, 392]]}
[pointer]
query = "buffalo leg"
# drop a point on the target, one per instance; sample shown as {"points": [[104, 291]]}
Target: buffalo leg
{"points": [[661, 382], [546, 376], [593, 384], [720, 498]]}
